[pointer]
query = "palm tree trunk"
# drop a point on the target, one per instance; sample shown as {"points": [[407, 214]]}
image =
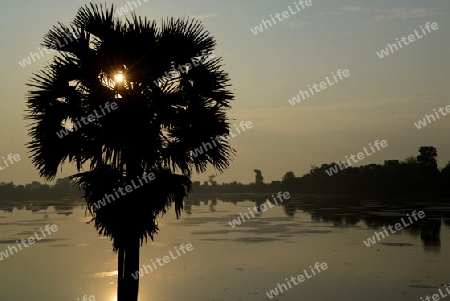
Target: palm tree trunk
{"points": [[132, 245], [120, 274], [131, 266]]}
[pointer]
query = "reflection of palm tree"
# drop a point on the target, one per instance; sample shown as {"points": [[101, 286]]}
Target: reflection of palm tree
{"points": [[173, 116]]}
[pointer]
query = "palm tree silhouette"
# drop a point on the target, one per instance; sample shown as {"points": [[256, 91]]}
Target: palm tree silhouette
{"points": [[164, 109]]}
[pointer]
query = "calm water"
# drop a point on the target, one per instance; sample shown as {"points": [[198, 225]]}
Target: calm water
{"points": [[241, 263]]}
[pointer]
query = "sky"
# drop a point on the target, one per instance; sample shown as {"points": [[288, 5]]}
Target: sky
{"points": [[382, 98]]}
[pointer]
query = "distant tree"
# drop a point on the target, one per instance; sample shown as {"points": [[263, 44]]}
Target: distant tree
{"points": [[258, 177], [211, 180], [446, 169], [428, 165], [33, 186], [65, 187], [313, 169], [289, 176], [410, 160], [445, 175], [392, 163], [288, 180], [427, 157], [409, 175], [20, 190], [7, 190]]}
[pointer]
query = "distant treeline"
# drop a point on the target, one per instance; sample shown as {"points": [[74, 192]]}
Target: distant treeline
{"points": [[419, 175], [63, 188]]}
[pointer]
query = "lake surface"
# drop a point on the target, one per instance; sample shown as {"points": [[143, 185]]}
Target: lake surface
{"points": [[240, 263]]}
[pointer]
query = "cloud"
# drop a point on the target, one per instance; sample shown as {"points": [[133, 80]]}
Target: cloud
{"points": [[349, 9], [296, 23], [379, 15], [204, 16], [407, 13], [352, 9]]}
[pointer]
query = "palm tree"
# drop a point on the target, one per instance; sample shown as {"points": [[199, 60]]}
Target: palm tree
{"points": [[167, 95]]}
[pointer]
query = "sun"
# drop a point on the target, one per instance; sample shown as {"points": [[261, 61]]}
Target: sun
{"points": [[118, 77]]}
